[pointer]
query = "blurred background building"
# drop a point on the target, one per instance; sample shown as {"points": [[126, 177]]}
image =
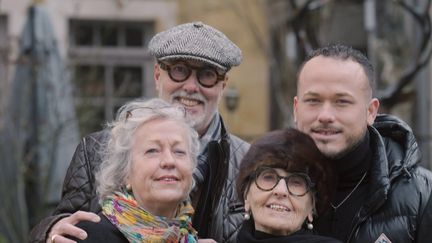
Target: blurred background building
{"points": [[103, 44]]}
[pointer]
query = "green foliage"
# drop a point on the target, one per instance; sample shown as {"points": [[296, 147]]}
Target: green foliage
{"points": [[2, 239]]}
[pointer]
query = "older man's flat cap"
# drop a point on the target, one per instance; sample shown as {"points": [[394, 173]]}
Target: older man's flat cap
{"points": [[196, 41]]}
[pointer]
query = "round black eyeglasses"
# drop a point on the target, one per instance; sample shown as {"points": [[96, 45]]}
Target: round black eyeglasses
{"points": [[298, 184], [180, 72]]}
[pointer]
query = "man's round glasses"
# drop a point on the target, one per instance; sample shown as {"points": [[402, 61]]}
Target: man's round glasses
{"points": [[298, 184], [180, 72]]}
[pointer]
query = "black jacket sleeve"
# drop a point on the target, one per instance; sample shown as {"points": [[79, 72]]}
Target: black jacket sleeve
{"points": [[424, 232], [79, 192]]}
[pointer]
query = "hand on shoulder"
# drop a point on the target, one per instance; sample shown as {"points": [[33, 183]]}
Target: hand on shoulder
{"points": [[206, 241], [66, 226]]}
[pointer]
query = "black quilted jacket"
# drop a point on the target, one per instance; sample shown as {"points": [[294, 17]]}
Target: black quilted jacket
{"points": [[400, 204], [79, 192]]}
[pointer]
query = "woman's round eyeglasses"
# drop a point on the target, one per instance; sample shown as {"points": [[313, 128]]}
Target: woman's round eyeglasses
{"points": [[180, 72], [267, 178]]}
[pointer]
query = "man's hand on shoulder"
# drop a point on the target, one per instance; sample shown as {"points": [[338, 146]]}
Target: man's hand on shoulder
{"points": [[66, 227], [206, 241]]}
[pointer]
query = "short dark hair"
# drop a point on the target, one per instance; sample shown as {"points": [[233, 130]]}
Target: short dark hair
{"points": [[294, 151], [344, 52]]}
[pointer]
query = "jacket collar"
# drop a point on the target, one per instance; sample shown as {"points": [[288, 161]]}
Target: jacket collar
{"points": [[402, 149], [212, 133], [394, 153]]}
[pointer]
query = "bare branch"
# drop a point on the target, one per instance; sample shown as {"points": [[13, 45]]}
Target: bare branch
{"points": [[390, 96]]}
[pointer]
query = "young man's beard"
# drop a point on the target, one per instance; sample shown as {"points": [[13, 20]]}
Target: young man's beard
{"points": [[351, 146]]}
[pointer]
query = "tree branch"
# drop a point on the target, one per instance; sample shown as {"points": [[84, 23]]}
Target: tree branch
{"points": [[390, 95]]}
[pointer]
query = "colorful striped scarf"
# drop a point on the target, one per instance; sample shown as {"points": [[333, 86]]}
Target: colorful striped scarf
{"points": [[138, 225]]}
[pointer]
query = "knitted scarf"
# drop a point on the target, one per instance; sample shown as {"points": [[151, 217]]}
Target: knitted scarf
{"points": [[138, 225]]}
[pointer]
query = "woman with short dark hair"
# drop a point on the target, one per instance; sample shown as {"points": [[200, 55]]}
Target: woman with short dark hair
{"points": [[284, 181]]}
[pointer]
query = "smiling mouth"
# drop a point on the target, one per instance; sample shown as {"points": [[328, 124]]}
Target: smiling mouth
{"points": [[278, 208], [325, 132], [188, 102], [167, 179]]}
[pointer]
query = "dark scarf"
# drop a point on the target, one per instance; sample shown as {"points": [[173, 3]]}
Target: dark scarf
{"points": [[350, 169], [248, 234], [215, 174]]}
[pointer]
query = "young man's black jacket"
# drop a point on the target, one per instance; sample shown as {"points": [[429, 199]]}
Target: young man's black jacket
{"points": [[399, 206]]}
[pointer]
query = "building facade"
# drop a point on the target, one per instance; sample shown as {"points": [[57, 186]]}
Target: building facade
{"points": [[104, 45]]}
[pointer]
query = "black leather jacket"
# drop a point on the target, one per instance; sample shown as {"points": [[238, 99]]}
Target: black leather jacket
{"points": [[79, 192], [400, 204]]}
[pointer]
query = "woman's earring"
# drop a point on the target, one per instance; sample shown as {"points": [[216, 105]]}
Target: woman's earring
{"points": [[128, 187], [309, 225], [246, 216]]}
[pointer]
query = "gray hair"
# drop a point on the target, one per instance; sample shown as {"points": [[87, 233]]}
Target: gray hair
{"points": [[117, 159]]}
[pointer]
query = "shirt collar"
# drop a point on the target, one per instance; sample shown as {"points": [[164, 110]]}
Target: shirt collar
{"points": [[212, 133]]}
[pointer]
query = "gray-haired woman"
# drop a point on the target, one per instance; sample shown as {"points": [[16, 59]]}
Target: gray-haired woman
{"points": [[146, 176]]}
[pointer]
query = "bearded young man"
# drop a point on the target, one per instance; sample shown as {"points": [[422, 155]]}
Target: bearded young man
{"points": [[382, 194]]}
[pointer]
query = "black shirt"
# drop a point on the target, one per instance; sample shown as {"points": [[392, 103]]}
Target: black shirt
{"points": [[248, 234], [350, 169]]}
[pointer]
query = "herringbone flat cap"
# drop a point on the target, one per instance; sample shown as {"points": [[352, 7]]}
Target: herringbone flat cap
{"points": [[196, 41]]}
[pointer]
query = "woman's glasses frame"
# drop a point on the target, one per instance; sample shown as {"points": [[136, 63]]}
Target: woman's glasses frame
{"points": [[308, 183]]}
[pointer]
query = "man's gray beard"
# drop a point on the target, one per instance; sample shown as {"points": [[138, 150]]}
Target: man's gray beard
{"points": [[192, 122]]}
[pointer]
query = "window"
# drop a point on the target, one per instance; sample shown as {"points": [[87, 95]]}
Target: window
{"points": [[4, 53], [110, 65], [3, 31], [3, 43]]}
